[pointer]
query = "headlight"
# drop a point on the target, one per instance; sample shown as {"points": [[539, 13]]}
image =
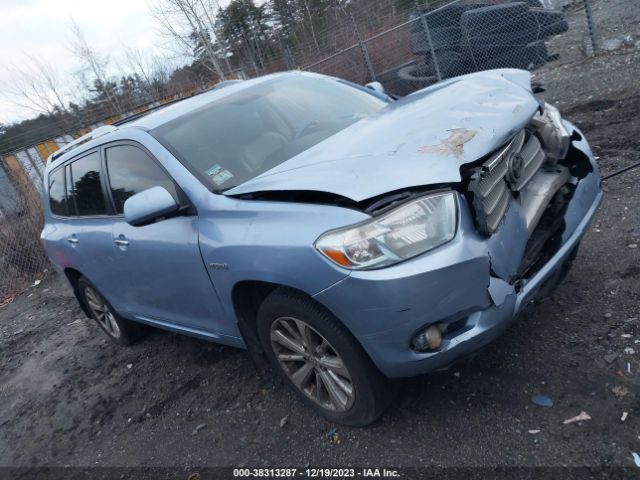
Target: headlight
{"points": [[552, 132], [404, 232]]}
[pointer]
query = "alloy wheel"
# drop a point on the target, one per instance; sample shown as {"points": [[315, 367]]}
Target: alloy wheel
{"points": [[312, 364], [102, 313]]}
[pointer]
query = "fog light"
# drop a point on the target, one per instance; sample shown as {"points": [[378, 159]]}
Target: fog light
{"points": [[428, 339]]}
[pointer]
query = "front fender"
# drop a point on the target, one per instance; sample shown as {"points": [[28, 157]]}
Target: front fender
{"points": [[268, 241]]}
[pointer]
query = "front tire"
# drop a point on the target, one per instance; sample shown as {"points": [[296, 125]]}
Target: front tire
{"points": [[121, 332], [320, 359]]}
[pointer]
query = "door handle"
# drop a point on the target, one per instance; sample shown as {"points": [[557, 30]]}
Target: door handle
{"points": [[120, 242], [72, 240]]}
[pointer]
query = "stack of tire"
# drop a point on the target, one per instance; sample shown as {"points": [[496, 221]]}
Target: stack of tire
{"points": [[469, 38]]}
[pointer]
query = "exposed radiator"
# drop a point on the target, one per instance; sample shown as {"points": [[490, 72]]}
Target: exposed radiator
{"points": [[507, 171]]}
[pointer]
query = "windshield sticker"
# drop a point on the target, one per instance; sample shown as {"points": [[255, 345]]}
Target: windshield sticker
{"points": [[218, 174]]}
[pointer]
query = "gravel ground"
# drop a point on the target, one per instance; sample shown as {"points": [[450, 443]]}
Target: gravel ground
{"points": [[69, 397]]}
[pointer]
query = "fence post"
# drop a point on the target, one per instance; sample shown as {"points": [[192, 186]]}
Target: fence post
{"points": [[288, 57], [363, 48], [427, 33], [34, 165], [592, 32]]}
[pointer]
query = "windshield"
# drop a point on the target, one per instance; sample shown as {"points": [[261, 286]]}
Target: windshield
{"points": [[237, 138]]}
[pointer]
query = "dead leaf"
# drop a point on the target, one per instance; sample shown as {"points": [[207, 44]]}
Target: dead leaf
{"points": [[6, 301], [620, 391], [578, 418]]}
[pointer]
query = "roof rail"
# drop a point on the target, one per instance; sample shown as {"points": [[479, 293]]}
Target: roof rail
{"points": [[95, 133], [135, 116]]}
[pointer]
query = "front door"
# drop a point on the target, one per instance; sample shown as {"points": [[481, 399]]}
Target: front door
{"points": [[159, 274]]}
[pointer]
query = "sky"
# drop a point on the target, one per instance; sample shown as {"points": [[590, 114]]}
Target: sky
{"points": [[40, 28]]}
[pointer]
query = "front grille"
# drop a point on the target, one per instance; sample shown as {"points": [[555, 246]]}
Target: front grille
{"points": [[506, 171], [532, 158], [492, 195]]}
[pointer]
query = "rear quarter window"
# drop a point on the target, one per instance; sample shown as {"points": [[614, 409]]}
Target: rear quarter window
{"points": [[57, 196]]}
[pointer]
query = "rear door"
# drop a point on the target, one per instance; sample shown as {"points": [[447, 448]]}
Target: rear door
{"points": [[81, 233], [158, 272]]}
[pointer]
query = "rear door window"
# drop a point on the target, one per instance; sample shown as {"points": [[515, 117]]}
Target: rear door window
{"points": [[131, 170], [57, 196], [86, 187]]}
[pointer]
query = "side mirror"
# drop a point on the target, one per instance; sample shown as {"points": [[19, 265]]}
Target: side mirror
{"points": [[149, 205], [537, 87], [377, 87]]}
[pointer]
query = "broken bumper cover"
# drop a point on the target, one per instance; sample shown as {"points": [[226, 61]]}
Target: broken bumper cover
{"points": [[452, 285]]}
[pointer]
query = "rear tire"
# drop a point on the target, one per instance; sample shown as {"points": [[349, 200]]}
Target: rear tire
{"points": [[321, 360], [414, 73], [121, 332]]}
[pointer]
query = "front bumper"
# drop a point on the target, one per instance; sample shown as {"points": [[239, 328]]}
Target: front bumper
{"points": [[454, 284]]}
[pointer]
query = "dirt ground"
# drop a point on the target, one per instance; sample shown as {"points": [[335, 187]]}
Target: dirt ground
{"points": [[70, 397]]}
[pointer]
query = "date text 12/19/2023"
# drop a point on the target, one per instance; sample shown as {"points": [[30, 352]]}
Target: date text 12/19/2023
{"points": [[316, 472]]}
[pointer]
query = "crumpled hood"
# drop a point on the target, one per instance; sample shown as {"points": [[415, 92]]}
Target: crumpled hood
{"points": [[421, 139]]}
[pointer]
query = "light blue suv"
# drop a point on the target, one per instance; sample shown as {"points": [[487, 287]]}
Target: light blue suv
{"points": [[347, 237]]}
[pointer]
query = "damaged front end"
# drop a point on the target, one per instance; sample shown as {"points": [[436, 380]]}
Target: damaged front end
{"points": [[468, 199], [536, 173], [523, 210]]}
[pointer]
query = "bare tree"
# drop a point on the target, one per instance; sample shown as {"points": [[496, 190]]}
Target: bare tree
{"points": [[154, 70], [210, 11], [94, 65], [161, 69], [313, 31], [36, 86], [177, 15], [142, 66]]}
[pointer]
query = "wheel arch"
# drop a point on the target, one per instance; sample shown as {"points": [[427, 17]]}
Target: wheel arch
{"points": [[247, 296], [73, 276]]}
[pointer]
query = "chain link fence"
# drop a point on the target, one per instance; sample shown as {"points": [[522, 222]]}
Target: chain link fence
{"points": [[462, 36], [22, 258], [406, 50]]}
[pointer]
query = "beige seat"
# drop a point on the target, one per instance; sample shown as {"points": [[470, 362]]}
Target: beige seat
{"points": [[258, 144]]}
